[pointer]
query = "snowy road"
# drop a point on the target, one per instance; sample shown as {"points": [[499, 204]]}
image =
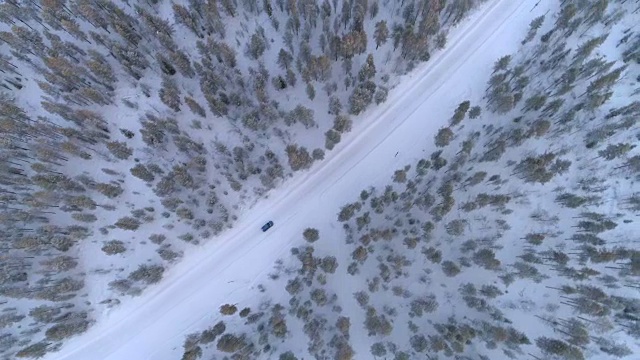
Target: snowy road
{"points": [[153, 327]]}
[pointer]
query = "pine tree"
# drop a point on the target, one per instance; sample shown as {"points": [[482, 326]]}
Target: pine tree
{"points": [[35, 350], [332, 137], [502, 64], [170, 94], [195, 107], [342, 123], [256, 46], [181, 61], [149, 274], [100, 68], [368, 69], [443, 137], [613, 151], [381, 33], [128, 223], [229, 7], [460, 112], [299, 157], [441, 40], [378, 349], [381, 95], [534, 25], [361, 97], [632, 164], [535, 102], [475, 112], [142, 172], [183, 16], [560, 348], [566, 14], [585, 49], [335, 106], [119, 149], [605, 81]]}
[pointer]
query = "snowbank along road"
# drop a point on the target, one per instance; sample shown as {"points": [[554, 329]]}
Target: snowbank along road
{"points": [[153, 326]]}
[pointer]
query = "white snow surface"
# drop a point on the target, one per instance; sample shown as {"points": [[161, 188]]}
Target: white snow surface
{"points": [[227, 269]]}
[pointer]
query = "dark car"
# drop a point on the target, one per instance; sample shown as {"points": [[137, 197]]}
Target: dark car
{"points": [[267, 226]]}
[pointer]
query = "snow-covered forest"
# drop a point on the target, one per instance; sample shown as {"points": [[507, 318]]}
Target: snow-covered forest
{"points": [[135, 131], [514, 238]]}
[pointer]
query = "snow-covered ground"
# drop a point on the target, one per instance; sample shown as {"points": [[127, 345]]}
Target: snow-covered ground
{"points": [[227, 270]]}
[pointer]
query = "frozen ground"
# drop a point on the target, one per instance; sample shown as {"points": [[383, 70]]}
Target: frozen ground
{"points": [[226, 270]]}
